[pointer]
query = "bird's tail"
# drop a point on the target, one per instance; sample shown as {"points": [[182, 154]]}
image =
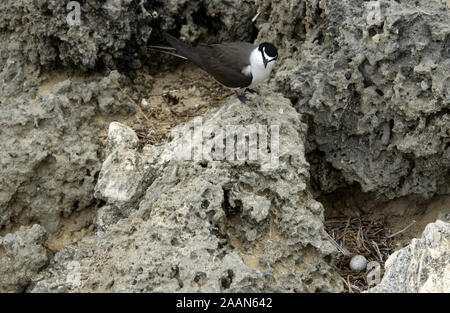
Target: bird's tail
{"points": [[166, 50], [183, 50]]}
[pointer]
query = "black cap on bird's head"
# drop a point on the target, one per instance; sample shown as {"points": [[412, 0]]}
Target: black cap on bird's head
{"points": [[268, 52]]}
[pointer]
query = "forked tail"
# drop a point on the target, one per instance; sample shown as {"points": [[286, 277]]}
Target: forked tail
{"points": [[180, 49], [166, 50]]}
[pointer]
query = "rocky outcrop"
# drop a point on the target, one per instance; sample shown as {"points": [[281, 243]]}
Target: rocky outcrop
{"points": [[110, 32], [50, 149], [368, 89], [49, 143], [22, 256], [374, 86], [205, 225], [422, 266]]}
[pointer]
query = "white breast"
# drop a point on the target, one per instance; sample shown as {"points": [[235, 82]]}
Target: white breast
{"points": [[257, 69]]}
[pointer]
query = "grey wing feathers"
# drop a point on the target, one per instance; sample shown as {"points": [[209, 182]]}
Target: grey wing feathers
{"points": [[223, 61], [226, 73], [239, 52]]}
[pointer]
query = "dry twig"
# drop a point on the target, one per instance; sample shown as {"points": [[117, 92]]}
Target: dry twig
{"points": [[403, 230]]}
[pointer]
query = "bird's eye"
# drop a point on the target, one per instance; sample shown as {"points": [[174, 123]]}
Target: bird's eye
{"points": [[268, 50]]}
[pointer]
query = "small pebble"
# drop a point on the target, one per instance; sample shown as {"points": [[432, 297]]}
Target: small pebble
{"points": [[193, 91], [424, 85], [358, 263]]}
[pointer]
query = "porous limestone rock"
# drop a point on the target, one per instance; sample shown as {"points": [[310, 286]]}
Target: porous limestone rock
{"points": [[206, 224], [22, 256], [422, 266], [50, 150], [374, 87]]}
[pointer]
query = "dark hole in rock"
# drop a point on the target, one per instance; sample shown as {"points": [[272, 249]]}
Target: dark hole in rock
{"points": [[205, 204], [226, 281]]}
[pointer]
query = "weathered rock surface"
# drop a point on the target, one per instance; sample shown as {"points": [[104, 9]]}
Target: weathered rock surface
{"points": [[22, 256], [49, 146], [375, 91], [110, 32], [374, 94], [422, 266], [49, 150], [207, 225], [121, 180]]}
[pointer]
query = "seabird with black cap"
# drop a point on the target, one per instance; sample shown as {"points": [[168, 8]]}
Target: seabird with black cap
{"points": [[233, 64]]}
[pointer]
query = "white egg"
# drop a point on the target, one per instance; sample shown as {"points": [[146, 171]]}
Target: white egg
{"points": [[358, 263]]}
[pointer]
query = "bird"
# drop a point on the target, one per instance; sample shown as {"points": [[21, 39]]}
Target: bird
{"points": [[235, 65]]}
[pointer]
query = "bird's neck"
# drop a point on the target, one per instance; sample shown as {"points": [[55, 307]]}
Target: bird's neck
{"points": [[259, 71]]}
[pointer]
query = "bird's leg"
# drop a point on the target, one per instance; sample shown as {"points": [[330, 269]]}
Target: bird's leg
{"points": [[241, 97], [252, 91]]}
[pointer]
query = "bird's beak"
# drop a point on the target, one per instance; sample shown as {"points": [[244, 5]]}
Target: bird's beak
{"points": [[265, 62]]}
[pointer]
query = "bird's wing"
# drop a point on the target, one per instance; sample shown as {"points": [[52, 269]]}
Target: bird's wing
{"points": [[226, 61], [238, 52], [222, 61]]}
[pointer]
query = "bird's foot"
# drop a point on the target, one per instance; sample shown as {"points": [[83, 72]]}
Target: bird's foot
{"points": [[252, 91], [242, 97]]}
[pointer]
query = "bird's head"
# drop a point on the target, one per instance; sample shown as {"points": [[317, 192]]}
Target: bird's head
{"points": [[269, 53]]}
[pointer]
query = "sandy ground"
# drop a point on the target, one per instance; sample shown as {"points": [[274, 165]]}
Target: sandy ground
{"points": [[177, 96], [407, 211], [407, 215]]}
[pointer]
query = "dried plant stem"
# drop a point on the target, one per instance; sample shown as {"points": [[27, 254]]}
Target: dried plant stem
{"points": [[403, 230], [131, 99], [343, 250], [378, 250], [255, 17]]}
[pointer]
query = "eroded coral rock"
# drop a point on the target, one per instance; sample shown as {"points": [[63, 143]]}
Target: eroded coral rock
{"points": [[422, 266], [22, 256], [206, 225], [375, 86]]}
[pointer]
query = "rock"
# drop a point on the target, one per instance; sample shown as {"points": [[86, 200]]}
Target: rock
{"points": [[375, 94], [52, 117], [208, 225], [422, 266], [50, 148], [109, 32], [120, 135], [22, 256], [370, 91], [124, 176], [41, 34], [107, 215]]}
